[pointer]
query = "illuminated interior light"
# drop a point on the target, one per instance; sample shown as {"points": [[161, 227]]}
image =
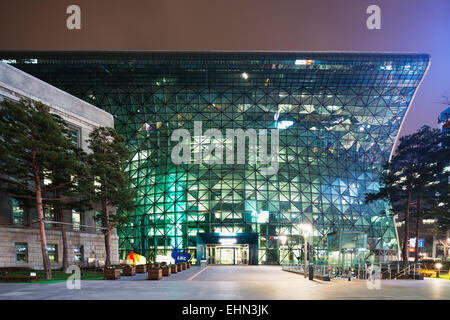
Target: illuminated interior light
{"points": [[227, 241], [284, 124]]}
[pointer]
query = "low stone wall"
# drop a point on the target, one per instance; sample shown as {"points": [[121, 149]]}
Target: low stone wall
{"points": [[93, 244]]}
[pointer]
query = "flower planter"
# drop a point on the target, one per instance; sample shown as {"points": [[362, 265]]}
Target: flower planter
{"points": [[156, 265], [173, 268], [188, 264], [166, 272], [183, 265], [130, 271], [112, 274], [141, 268], [154, 274], [179, 267]]}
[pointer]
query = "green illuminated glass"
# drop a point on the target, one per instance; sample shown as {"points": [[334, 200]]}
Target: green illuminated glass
{"points": [[338, 115]]}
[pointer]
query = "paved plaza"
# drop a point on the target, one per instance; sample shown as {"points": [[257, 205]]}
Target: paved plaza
{"points": [[230, 283]]}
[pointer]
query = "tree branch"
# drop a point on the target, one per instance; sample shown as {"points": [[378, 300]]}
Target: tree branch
{"points": [[11, 180], [57, 187], [30, 197]]}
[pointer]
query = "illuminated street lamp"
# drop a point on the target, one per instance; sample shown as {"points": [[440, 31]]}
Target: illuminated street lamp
{"points": [[438, 267], [306, 230]]}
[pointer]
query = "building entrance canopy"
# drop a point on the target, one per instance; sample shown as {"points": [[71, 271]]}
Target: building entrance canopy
{"points": [[217, 248]]}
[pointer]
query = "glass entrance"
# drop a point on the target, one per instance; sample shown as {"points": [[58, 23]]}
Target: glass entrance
{"points": [[227, 255], [218, 254]]}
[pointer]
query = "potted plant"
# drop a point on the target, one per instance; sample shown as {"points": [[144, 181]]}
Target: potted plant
{"points": [[183, 265], [141, 268], [154, 274], [129, 271], [156, 265], [179, 267], [166, 271], [188, 264], [112, 273], [173, 268]]}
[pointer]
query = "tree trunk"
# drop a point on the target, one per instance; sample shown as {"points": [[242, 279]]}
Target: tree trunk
{"points": [[65, 259], [446, 246], [419, 212], [406, 236], [47, 267], [107, 236]]}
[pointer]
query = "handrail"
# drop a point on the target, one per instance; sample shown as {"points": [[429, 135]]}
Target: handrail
{"points": [[392, 270]]}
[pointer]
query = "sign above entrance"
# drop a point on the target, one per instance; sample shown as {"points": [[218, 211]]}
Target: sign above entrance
{"points": [[227, 241]]}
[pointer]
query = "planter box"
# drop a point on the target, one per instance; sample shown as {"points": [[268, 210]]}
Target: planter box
{"points": [[129, 271], [166, 272], [183, 265], [141, 268], [188, 264], [154, 274], [112, 274], [173, 268], [156, 265], [179, 267]]}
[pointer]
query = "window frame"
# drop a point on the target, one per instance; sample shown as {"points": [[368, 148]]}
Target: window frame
{"points": [[16, 203], [56, 260], [72, 128], [26, 251]]}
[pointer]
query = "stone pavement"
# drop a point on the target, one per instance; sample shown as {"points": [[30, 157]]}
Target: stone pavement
{"points": [[230, 283]]}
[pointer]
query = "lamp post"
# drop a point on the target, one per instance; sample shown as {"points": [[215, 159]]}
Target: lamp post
{"points": [[306, 229], [438, 271]]}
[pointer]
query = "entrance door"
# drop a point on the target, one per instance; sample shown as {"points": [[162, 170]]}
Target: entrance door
{"points": [[226, 255]]}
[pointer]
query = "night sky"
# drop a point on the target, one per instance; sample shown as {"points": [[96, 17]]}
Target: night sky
{"points": [[275, 25]]}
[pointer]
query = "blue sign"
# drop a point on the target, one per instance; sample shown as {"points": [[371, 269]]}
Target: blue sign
{"points": [[180, 256], [421, 243], [412, 243]]}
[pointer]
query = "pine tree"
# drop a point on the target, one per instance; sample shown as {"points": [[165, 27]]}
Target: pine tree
{"points": [[112, 186], [414, 174], [32, 144], [73, 175]]}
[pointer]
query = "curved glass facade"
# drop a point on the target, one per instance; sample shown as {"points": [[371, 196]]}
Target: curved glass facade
{"points": [[338, 116]]}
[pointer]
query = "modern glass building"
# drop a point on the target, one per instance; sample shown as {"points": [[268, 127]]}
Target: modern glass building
{"points": [[337, 114]]}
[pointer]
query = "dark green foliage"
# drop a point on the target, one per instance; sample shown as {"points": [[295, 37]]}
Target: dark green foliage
{"points": [[416, 174], [33, 144], [107, 160], [109, 155]]}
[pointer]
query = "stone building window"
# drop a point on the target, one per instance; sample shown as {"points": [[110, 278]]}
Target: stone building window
{"points": [[18, 213], [49, 215], [76, 220], [74, 135], [98, 222], [21, 252], [52, 252], [79, 254]]}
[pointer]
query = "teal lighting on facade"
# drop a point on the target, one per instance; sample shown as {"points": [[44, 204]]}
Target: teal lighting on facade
{"points": [[338, 114]]}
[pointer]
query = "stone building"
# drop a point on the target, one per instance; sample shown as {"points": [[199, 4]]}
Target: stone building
{"points": [[19, 233]]}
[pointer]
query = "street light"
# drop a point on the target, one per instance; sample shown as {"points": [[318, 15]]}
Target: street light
{"points": [[306, 230], [438, 267]]}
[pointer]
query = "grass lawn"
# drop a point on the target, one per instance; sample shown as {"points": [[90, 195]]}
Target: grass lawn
{"points": [[444, 276], [59, 276]]}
